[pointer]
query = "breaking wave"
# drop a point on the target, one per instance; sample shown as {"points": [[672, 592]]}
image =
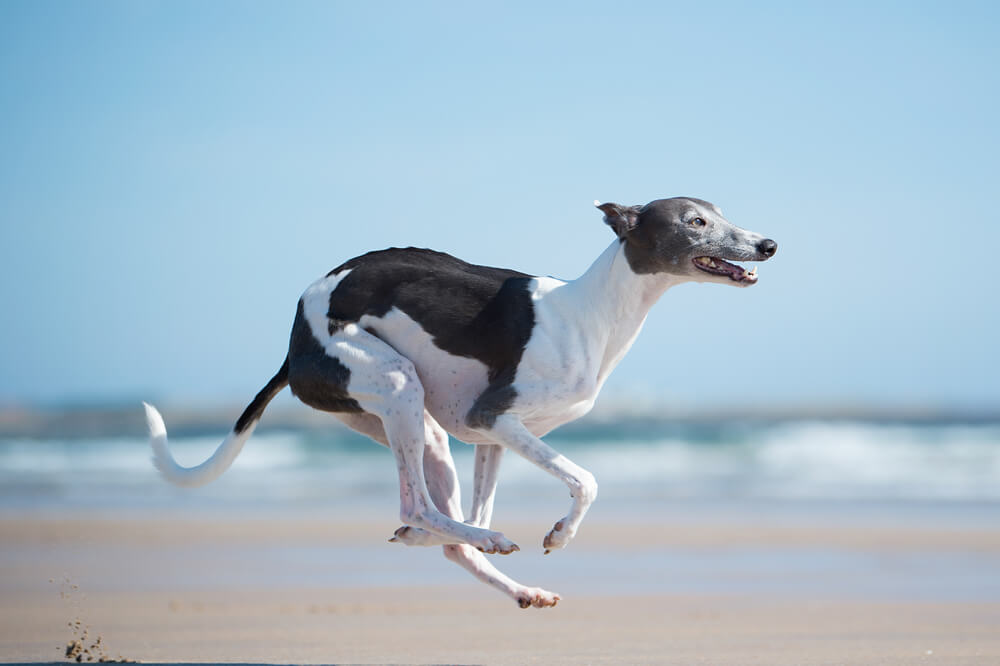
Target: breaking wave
{"points": [[774, 461]]}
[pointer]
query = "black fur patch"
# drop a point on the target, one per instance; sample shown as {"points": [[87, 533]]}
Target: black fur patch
{"points": [[472, 311], [493, 402], [315, 378], [256, 407]]}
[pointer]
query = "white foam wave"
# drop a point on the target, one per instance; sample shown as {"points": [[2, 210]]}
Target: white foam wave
{"points": [[784, 461]]}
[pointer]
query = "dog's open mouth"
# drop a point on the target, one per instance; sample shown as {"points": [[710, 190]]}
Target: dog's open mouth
{"points": [[717, 266]]}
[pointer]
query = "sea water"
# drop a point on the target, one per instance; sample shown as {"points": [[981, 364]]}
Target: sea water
{"points": [[638, 466]]}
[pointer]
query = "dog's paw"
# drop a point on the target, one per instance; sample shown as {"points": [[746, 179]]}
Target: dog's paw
{"points": [[537, 597], [558, 537], [495, 543]]}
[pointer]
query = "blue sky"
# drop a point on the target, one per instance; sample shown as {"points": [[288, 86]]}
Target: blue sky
{"points": [[172, 176]]}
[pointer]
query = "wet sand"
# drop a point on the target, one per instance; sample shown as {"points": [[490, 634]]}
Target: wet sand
{"points": [[324, 591]]}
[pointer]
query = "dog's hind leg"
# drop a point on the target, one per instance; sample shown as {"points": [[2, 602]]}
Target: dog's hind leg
{"points": [[385, 383], [479, 566], [483, 490], [442, 483], [487, 464]]}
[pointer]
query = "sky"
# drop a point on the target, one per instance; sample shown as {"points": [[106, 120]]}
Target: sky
{"points": [[174, 174]]}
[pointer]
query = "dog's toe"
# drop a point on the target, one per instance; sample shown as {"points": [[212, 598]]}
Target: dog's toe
{"points": [[404, 534], [496, 543], [414, 536], [506, 547]]}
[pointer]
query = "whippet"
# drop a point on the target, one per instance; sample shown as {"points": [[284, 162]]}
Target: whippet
{"points": [[409, 345]]}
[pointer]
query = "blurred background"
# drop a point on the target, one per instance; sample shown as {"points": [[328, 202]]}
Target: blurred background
{"points": [[173, 175]]}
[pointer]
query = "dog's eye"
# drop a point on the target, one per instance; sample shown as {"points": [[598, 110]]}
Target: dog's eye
{"points": [[698, 222]]}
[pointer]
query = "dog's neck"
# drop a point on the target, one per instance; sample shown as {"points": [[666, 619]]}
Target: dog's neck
{"points": [[613, 303]]}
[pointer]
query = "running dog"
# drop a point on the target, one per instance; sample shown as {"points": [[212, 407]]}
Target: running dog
{"points": [[409, 346]]}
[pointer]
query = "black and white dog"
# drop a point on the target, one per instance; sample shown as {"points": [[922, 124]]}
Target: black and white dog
{"points": [[408, 346]]}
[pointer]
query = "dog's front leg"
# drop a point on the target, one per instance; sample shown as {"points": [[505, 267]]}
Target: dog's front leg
{"points": [[484, 486], [511, 433], [442, 485]]}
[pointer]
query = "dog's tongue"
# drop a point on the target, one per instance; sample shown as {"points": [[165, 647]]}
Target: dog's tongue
{"points": [[734, 271]]}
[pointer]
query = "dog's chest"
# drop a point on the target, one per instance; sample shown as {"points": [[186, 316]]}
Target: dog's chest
{"points": [[558, 379]]}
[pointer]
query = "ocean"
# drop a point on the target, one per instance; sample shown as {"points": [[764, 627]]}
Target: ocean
{"points": [[648, 466]]}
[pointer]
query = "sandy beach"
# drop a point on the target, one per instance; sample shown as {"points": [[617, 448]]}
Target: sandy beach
{"points": [[266, 590]]}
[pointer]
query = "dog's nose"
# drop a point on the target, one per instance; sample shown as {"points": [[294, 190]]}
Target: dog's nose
{"points": [[767, 247]]}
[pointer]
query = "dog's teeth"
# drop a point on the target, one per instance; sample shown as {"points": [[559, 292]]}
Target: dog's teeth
{"points": [[753, 272]]}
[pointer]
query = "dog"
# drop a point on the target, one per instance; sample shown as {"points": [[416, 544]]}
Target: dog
{"points": [[409, 346]]}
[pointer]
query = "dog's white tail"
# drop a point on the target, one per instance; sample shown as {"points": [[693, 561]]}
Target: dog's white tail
{"points": [[224, 456]]}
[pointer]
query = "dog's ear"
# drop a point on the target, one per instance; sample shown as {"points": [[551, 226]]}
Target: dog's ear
{"points": [[620, 218]]}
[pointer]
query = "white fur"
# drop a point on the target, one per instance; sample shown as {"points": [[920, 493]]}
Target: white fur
{"points": [[198, 475], [316, 304], [583, 328]]}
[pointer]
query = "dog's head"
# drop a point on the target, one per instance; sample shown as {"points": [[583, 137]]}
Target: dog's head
{"points": [[688, 238]]}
